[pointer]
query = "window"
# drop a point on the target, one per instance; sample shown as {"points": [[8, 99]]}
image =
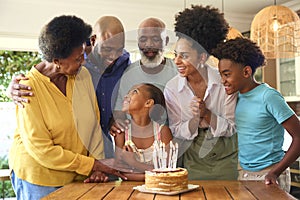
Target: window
{"points": [[289, 78]]}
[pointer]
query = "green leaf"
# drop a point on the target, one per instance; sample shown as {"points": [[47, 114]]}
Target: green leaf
{"points": [[13, 63]]}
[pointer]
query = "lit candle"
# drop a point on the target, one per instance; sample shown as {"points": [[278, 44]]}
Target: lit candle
{"points": [[176, 155], [170, 155], [155, 158], [164, 156]]}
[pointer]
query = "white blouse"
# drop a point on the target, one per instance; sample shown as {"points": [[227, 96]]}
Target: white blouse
{"points": [[178, 98]]}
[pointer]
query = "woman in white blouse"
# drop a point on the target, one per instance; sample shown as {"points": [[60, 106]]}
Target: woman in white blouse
{"points": [[200, 112]]}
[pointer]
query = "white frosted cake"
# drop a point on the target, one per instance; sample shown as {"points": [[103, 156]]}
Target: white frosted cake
{"points": [[167, 180]]}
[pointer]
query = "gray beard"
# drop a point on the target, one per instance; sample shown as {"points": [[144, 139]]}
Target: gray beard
{"points": [[154, 62]]}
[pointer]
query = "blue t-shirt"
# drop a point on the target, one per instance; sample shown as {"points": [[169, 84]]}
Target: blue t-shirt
{"points": [[259, 114]]}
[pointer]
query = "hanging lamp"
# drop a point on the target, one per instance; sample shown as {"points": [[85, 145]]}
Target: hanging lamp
{"points": [[233, 33], [276, 29]]}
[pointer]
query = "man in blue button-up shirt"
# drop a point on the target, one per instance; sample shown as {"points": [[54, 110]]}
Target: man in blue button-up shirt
{"points": [[106, 63]]}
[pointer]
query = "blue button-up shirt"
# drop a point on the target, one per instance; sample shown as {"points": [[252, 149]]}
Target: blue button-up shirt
{"points": [[106, 81]]}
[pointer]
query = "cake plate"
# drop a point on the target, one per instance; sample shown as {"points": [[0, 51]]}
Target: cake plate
{"points": [[142, 188]]}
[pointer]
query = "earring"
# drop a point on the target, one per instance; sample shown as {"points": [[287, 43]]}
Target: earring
{"points": [[200, 66], [57, 67]]}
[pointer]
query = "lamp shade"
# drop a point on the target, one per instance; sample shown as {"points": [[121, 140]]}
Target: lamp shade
{"points": [[233, 33], [276, 29]]}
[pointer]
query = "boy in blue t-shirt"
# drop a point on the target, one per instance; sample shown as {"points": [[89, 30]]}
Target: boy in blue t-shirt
{"points": [[261, 115]]}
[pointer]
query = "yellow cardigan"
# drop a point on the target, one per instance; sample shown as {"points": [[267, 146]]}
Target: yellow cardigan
{"points": [[56, 133]]}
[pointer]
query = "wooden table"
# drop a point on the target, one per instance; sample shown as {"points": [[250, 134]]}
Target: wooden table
{"points": [[208, 190]]}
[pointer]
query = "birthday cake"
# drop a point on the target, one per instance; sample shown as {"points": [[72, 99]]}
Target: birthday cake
{"points": [[166, 176], [166, 180]]}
